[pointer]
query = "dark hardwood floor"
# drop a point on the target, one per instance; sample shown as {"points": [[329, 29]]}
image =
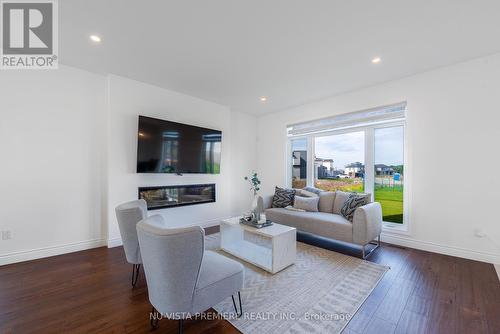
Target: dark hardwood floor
{"points": [[90, 292]]}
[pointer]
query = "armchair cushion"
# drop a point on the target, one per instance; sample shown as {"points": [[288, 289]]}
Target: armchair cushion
{"points": [[219, 278]]}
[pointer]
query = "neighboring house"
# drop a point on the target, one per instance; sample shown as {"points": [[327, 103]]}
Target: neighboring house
{"points": [[299, 169], [355, 169], [383, 170], [323, 167]]}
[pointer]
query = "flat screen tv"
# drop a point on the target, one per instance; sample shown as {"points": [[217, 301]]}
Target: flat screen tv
{"points": [[169, 147]]}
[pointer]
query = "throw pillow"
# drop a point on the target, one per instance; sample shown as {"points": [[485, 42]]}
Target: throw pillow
{"points": [[306, 203], [283, 197], [353, 202], [305, 193]]}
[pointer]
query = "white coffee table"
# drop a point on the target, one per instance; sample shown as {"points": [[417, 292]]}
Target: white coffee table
{"points": [[271, 248]]}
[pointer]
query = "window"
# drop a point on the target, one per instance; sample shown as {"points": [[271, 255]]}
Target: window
{"points": [[362, 151], [299, 162], [389, 172], [339, 162]]}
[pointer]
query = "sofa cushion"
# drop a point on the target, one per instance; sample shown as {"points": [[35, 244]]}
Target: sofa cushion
{"points": [[283, 197], [326, 200], [304, 193], [312, 190], [340, 198], [353, 202], [306, 203], [320, 223]]}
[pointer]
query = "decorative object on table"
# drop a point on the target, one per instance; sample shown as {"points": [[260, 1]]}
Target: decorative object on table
{"points": [[283, 197], [258, 202], [256, 223]]}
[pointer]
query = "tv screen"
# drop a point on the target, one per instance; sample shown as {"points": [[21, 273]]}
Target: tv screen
{"points": [[169, 147]]}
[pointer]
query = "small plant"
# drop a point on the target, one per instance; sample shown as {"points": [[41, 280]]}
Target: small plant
{"points": [[254, 181]]}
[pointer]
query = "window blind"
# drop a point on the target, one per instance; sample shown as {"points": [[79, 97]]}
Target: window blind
{"points": [[366, 117]]}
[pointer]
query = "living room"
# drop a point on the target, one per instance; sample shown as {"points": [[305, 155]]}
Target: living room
{"points": [[249, 167]]}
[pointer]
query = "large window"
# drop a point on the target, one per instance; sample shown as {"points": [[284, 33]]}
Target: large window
{"points": [[356, 152], [339, 162], [299, 162], [389, 172]]}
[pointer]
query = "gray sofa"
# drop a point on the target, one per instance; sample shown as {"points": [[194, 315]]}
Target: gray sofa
{"points": [[329, 223]]}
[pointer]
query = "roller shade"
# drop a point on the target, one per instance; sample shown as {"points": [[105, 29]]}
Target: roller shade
{"points": [[354, 119]]}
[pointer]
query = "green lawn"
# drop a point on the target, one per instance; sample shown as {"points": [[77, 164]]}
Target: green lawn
{"points": [[391, 199]]}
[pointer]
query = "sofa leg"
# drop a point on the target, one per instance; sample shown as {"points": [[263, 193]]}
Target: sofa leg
{"points": [[366, 255]]}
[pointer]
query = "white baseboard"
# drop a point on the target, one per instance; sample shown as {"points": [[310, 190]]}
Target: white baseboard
{"points": [[115, 242], [442, 249], [39, 253]]}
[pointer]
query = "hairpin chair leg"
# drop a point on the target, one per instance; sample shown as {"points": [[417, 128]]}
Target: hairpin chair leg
{"points": [[153, 319], [234, 304], [135, 273], [181, 326]]}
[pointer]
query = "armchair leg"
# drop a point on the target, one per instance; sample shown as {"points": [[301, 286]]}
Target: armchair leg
{"points": [[135, 273], [181, 326], [153, 319], [234, 304]]}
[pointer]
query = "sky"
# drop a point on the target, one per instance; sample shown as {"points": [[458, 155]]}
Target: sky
{"points": [[347, 148], [343, 149]]}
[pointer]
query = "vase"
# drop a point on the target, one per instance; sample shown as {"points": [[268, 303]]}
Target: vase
{"points": [[257, 206]]}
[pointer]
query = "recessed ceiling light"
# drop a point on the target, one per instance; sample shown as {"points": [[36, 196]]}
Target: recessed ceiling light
{"points": [[263, 99], [376, 60], [95, 38]]}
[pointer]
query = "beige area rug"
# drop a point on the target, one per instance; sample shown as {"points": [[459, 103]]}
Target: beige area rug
{"points": [[320, 293]]}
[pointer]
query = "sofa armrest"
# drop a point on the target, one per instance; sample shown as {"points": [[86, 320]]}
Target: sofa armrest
{"points": [[367, 223], [268, 201]]}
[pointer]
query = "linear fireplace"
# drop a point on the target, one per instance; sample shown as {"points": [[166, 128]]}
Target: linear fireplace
{"points": [[170, 196]]}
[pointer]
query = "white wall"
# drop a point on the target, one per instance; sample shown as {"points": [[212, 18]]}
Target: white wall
{"points": [[452, 125], [51, 131], [68, 156], [127, 100], [243, 160]]}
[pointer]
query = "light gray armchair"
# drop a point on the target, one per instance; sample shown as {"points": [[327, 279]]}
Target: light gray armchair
{"points": [[183, 279], [128, 215]]}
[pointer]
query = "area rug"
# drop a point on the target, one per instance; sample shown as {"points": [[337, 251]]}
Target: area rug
{"points": [[320, 293]]}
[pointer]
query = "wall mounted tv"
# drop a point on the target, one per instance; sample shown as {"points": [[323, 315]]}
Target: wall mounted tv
{"points": [[169, 147]]}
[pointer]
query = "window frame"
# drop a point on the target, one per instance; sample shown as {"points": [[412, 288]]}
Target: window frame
{"points": [[369, 186]]}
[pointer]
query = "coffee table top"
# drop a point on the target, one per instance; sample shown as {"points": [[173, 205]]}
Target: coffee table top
{"points": [[268, 231]]}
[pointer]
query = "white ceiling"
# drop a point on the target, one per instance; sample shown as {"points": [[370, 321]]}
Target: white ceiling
{"points": [[233, 51]]}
